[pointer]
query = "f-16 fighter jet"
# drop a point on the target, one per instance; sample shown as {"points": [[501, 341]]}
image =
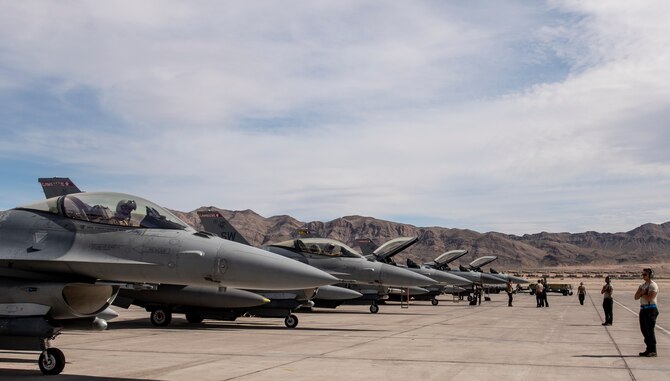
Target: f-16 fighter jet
{"points": [[199, 303], [64, 260], [351, 268]]}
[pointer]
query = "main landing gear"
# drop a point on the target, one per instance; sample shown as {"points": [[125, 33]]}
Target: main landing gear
{"points": [[291, 321], [160, 317]]}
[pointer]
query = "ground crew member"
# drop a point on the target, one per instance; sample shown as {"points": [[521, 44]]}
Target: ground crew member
{"points": [[581, 293], [608, 301], [647, 293]]}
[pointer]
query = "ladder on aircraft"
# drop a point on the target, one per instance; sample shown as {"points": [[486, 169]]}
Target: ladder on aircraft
{"points": [[404, 298]]}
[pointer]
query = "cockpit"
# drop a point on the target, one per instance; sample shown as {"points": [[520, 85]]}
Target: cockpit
{"points": [[111, 209], [320, 246]]}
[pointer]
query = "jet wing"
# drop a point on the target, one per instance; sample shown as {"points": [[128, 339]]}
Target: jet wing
{"points": [[394, 246]]}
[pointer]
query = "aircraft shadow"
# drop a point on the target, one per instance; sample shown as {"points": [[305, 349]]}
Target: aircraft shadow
{"points": [[18, 361], [22, 374], [227, 326], [381, 312], [605, 356]]}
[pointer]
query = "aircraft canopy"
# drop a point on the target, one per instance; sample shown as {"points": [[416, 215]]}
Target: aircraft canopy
{"points": [[111, 209], [320, 246]]}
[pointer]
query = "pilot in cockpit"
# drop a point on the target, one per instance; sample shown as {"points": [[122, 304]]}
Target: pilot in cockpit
{"points": [[123, 212]]}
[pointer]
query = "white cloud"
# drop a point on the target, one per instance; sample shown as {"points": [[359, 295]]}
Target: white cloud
{"points": [[517, 117]]}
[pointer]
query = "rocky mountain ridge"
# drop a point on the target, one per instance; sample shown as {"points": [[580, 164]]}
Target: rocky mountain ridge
{"points": [[649, 243]]}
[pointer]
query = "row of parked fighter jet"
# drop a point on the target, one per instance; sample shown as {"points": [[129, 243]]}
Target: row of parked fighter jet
{"points": [[65, 260]]}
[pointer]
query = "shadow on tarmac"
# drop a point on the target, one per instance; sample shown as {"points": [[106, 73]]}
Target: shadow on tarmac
{"points": [[606, 356], [20, 374], [227, 325]]}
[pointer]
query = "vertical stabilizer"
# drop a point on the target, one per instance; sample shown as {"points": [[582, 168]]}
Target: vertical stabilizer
{"points": [[367, 245], [57, 186], [215, 223]]}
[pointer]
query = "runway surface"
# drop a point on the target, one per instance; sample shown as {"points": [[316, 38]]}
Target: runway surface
{"points": [[451, 341]]}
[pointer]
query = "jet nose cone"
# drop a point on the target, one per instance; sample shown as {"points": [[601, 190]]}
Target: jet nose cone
{"points": [[492, 279], [400, 277], [517, 279], [446, 278], [255, 269]]}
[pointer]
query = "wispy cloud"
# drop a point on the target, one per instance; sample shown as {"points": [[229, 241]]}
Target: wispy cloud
{"points": [[519, 117]]}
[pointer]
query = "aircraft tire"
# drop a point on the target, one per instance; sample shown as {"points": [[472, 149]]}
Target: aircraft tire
{"points": [[434, 302], [291, 321], [194, 318], [160, 317], [53, 363], [374, 308]]}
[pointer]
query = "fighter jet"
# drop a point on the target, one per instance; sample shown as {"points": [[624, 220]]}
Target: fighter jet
{"points": [[199, 303], [478, 263], [64, 260], [367, 277], [388, 250]]}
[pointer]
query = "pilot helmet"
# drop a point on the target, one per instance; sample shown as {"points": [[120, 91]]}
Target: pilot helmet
{"points": [[124, 207]]}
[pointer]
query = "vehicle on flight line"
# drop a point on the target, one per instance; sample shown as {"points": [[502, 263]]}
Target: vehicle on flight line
{"points": [[63, 260], [197, 302], [370, 278], [561, 288]]}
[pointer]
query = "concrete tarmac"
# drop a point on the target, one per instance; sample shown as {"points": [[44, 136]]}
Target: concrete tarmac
{"points": [[451, 341]]}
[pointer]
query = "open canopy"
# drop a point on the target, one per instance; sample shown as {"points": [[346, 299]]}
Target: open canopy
{"points": [[394, 246], [111, 209], [320, 246]]}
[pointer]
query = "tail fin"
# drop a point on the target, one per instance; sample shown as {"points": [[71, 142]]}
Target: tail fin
{"points": [[367, 245], [215, 223], [57, 186], [304, 233]]}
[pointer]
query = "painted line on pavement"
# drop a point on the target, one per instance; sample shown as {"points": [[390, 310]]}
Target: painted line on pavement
{"points": [[637, 314]]}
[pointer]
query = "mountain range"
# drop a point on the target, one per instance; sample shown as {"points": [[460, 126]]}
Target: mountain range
{"points": [[647, 244]]}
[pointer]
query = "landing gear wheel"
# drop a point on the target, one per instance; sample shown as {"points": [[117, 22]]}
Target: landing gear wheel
{"points": [[291, 321], [434, 302], [194, 318], [53, 362], [160, 317], [374, 308]]}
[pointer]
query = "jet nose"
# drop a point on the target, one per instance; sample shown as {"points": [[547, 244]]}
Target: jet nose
{"points": [[400, 277], [446, 278], [492, 279], [517, 279], [246, 267]]}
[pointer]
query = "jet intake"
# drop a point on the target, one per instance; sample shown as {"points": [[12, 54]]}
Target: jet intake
{"points": [[66, 300], [87, 299]]}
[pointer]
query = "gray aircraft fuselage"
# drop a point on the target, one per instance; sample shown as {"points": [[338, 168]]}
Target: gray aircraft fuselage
{"points": [[50, 242], [346, 264]]}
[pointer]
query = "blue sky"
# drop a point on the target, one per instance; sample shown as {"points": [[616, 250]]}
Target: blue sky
{"points": [[517, 117]]}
